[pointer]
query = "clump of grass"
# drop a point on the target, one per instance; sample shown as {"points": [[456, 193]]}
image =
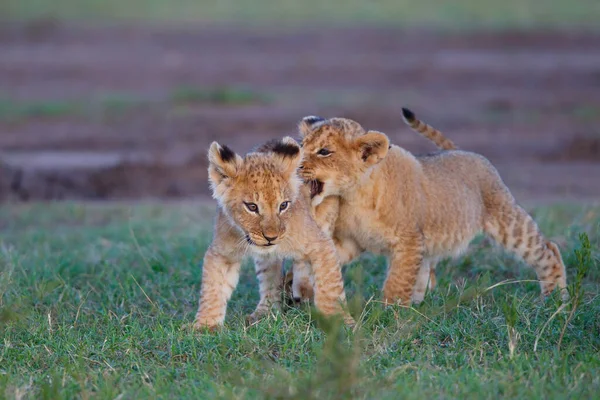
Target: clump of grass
{"points": [[13, 111], [117, 105], [121, 103], [509, 308], [221, 95], [584, 261]]}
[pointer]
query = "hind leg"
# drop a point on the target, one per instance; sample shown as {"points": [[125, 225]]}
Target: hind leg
{"points": [[514, 229], [268, 273]]}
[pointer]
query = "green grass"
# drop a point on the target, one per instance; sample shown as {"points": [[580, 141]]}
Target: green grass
{"points": [[116, 105], [429, 13], [11, 111], [96, 301], [220, 95]]}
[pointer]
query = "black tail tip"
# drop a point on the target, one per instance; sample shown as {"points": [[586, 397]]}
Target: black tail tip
{"points": [[408, 115]]}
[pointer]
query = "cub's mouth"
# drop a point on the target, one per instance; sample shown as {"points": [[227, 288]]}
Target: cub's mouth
{"points": [[316, 187]]}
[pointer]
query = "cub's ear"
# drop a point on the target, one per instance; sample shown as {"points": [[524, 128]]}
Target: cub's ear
{"points": [[289, 154], [223, 164], [372, 147], [307, 124]]}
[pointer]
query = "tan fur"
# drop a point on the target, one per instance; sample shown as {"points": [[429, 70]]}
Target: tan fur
{"points": [[426, 279], [266, 180], [427, 131], [417, 210], [326, 213]]}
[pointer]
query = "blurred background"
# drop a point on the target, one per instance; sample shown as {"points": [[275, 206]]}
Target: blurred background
{"points": [[109, 99]]}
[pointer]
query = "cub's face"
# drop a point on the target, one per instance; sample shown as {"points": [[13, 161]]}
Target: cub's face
{"points": [[337, 154], [257, 192]]}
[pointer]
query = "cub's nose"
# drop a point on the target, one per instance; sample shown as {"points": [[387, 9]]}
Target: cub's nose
{"points": [[269, 238]]}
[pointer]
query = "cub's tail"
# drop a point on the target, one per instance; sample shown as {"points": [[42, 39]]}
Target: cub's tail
{"points": [[427, 131]]}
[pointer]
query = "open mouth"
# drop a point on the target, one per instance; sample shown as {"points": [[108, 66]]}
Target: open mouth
{"points": [[316, 187]]}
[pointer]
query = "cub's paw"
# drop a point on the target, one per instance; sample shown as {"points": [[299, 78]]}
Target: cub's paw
{"points": [[349, 321], [255, 317], [205, 326]]}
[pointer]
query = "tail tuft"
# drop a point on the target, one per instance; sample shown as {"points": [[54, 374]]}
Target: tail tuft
{"points": [[427, 131], [408, 115]]}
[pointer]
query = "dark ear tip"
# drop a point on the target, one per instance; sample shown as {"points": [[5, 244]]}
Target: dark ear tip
{"points": [[286, 149], [312, 119], [226, 154], [408, 115]]}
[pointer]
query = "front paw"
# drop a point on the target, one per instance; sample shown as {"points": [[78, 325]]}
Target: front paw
{"points": [[206, 325], [349, 321], [255, 317]]}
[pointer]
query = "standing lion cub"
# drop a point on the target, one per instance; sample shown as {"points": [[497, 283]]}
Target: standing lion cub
{"points": [[264, 211], [416, 210]]}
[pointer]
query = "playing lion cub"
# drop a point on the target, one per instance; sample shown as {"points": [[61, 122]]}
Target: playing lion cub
{"points": [[263, 210], [415, 210], [298, 282]]}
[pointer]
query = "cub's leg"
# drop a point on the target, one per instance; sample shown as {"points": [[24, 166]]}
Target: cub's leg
{"points": [[220, 276], [325, 215], [302, 285], [423, 281], [405, 263], [329, 285], [511, 226], [303, 278], [432, 279], [268, 274]]}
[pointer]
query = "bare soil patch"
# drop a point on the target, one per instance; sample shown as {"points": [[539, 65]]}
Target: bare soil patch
{"points": [[528, 101]]}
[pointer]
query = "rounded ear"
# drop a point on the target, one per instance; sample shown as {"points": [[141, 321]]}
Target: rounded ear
{"points": [[223, 164], [289, 153], [372, 147], [307, 124]]}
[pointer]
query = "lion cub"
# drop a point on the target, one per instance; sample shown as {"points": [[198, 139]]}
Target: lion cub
{"points": [[326, 214], [416, 210], [263, 211]]}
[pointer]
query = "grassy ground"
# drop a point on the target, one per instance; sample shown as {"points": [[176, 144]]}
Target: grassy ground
{"points": [[96, 301], [428, 13]]}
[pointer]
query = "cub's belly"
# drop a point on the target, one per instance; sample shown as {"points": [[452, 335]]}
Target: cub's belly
{"points": [[450, 242]]}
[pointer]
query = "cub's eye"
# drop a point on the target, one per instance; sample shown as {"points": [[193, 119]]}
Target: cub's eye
{"points": [[324, 152], [283, 206], [251, 207]]}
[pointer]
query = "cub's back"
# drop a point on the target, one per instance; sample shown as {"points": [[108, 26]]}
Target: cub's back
{"points": [[458, 169], [456, 184]]}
